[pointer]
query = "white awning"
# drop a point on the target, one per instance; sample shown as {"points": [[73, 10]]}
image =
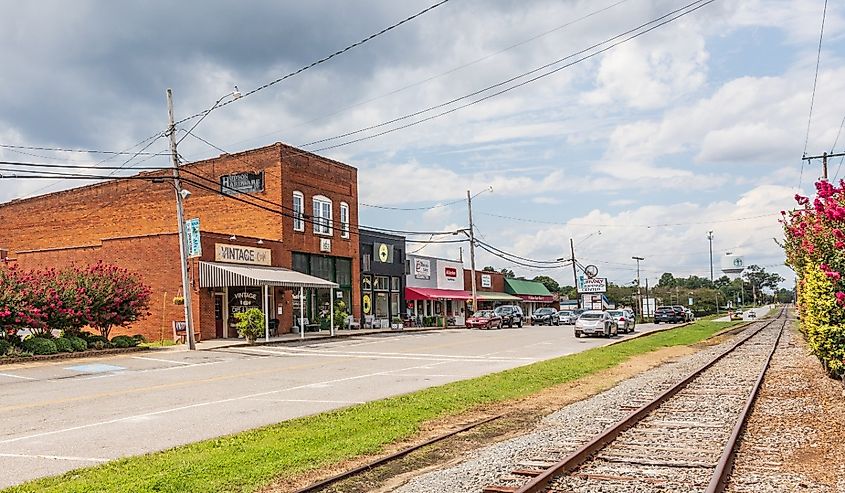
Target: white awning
{"points": [[217, 275]]}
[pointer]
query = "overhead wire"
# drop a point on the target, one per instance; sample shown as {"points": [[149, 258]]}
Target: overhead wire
{"points": [[813, 95]]}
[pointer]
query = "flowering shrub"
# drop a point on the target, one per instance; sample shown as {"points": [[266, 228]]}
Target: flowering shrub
{"points": [[116, 297], [815, 249]]}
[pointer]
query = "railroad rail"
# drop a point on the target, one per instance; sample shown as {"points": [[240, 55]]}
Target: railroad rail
{"points": [[682, 440]]}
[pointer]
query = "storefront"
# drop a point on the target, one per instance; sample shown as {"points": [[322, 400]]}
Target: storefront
{"points": [[319, 302], [237, 288], [382, 278], [490, 289], [435, 289], [532, 294]]}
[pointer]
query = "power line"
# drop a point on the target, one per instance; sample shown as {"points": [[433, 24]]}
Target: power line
{"points": [[85, 151], [815, 81], [555, 262], [426, 208], [529, 220], [321, 60], [512, 79], [450, 71]]}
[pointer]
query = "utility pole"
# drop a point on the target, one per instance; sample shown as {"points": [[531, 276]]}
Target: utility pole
{"points": [[574, 272], [710, 238], [472, 253], [646, 294], [639, 296], [180, 219], [824, 157]]}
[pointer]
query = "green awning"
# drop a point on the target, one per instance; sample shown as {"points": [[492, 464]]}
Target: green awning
{"points": [[528, 290], [493, 296]]}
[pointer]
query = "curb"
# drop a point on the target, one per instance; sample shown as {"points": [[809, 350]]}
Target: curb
{"points": [[329, 337], [643, 334]]}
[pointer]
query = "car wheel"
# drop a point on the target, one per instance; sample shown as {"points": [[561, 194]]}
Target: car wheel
{"points": [[519, 324], [578, 335]]}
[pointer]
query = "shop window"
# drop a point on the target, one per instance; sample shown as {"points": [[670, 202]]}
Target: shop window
{"points": [[380, 283], [407, 266], [394, 304], [322, 267], [343, 272], [298, 211], [397, 256], [366, 283], [381, 306], [322, 215], [300, 263], [394, 284], [344, 220], [366, 262]]}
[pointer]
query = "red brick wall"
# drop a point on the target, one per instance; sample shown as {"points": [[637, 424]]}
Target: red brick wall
{"points": [[154, 258], [497, 281]]}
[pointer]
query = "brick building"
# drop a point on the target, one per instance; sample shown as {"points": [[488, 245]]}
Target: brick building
{"points": [[307, 222]]}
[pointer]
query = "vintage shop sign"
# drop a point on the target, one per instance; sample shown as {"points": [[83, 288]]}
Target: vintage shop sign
{"points": [[239, 254], [242, 183]]}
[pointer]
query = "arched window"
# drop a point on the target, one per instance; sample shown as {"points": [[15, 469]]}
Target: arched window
{"points": [[322, 215], [344, 220], [298, 211]]}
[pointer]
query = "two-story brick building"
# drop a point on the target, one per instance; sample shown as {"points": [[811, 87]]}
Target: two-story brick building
{"points": [[266, 216]]}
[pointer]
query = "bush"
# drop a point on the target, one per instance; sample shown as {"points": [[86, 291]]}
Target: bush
{"points": [[63, 345], [78, 343], [39, 345], [92, 340], [250, 324], [124, 342], [138, 338], [98, 344], [4, 346]]}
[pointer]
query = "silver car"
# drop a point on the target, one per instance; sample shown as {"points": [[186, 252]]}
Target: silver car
{"points": [[624, 320], [595, 322], [567, 317]]}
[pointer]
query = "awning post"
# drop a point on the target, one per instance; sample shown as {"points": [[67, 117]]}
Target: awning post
{"points": [[301, 313], [331, 311], [266, 314]]}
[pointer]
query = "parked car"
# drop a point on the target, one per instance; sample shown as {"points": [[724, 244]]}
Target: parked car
{"points": [[690, 315], [567, 317], [632, 316], [624, 322], [667, 314], [484, 319], [751, 314], [545, 316], [511, 315], [680, 310], [595, 322]]}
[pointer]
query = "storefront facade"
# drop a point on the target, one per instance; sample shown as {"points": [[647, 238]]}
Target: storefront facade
{"points": [[382, 278], [132, 223], [435, 288], [490, 289], [532, 294]]}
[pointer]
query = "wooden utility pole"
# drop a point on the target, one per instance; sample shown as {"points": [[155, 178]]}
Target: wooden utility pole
{"points": [[824, 157], [574, 272]]}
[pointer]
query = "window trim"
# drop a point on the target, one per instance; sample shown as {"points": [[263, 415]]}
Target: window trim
{"points": [[319, 220], [299, 217], [344, 221]]}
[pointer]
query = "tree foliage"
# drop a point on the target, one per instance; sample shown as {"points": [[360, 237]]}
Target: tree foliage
{"points": [[550, 283]]}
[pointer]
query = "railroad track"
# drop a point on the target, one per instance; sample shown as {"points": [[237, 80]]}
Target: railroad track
{"points": [[683, 440]]}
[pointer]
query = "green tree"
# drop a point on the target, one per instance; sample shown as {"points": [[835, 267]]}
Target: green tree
{"points": [[667, 280], [550, 283], [568, 292], [488, 268], [757, 279], [507, 273]]}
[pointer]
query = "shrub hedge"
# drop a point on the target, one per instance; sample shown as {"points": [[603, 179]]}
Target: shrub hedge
{"points": [[39, 345], [78, 343], [63, 345]]}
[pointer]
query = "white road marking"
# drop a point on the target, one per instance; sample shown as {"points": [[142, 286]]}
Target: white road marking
{"points": [[316, 401], [399, 356], [197, 405], [386, 354], [162, 360], [426, 375], [54, 457], [16, 376]]}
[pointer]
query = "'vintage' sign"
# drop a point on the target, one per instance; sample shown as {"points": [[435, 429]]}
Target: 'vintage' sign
{"points": [[238, 254]]}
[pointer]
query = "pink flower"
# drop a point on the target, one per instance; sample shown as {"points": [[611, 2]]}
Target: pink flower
{"points": [[801, 199], [840, 297]]}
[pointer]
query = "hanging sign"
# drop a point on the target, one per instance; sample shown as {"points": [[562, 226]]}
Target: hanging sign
{"points": [[192, 237]]}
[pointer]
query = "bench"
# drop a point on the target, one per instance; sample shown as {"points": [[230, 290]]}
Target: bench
{"points": [[309, 327]]}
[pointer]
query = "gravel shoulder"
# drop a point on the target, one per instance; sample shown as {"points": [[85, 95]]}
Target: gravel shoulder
{"points": [[794, 438]]}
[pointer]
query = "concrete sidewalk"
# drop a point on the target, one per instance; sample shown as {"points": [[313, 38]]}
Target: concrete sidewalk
{"points": [[295, 337]]}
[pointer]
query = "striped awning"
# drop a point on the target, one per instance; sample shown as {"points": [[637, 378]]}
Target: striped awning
{"points": [[218, 275]]}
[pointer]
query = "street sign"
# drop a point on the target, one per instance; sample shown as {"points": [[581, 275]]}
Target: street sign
{"points": [[192, 232]]}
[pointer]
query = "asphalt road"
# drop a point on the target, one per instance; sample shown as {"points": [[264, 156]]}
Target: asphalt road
{"points": [[67, 414]]}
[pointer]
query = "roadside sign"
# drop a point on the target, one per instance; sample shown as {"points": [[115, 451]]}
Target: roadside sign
{"points": [[592, 285], [649, 304], [192, 232], [690, 302]]}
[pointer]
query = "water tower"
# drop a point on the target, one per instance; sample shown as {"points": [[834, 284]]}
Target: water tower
{"points": [[733, 265]]}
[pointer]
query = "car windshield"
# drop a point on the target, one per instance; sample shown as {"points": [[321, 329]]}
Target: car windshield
{"points": [[564, 313], [483, 314], [616, 314], [591, 316], [544, 311]]}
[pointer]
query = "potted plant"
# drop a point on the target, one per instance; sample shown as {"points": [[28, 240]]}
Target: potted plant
{"points": [[397, 324], [250, 324]]}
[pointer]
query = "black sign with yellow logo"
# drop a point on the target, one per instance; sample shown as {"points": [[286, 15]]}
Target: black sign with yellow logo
{"points": [[384, 253]]}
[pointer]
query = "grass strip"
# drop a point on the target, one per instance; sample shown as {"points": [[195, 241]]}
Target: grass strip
{"points": [[249, 460]]}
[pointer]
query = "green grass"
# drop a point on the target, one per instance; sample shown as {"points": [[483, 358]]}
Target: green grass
{"points": [[249, 460], [162, 343]]}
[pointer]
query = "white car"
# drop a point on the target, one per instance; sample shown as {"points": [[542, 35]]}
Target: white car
{"points": [[567, 317], [595, 322]]}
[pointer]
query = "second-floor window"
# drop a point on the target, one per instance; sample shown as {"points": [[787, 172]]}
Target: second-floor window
{"points": [[344, 220], [298, 211], [322, 215]]}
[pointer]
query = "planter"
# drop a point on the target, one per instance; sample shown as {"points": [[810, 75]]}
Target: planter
{"points": [[397, 326], [4, 360]]}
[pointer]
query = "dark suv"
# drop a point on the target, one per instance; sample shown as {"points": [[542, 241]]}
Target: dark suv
{"points": [[667, 314], [511, 315], [682, 312], [545, 316]]}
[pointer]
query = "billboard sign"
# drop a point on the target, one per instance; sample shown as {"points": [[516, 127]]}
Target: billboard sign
{"points": [[594, 285]]}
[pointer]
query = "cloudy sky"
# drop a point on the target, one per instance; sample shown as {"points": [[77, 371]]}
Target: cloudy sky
{"points": [[640, 150]]}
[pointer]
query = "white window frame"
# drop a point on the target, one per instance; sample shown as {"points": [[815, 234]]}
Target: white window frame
{"points": [[344, 220], [322, 224], [299, 215]]}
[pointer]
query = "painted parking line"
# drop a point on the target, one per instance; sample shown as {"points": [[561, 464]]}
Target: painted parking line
{"points": [[16, 376], [54, 457], [160, 360], [141, 417]]}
